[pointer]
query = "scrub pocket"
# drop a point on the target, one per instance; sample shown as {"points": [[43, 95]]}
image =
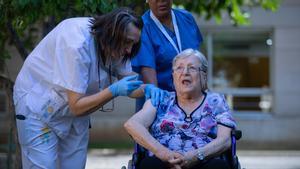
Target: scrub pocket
{"points": [[56, 107], [23, 122], [23, 136], [47, 103], [30, 130]]}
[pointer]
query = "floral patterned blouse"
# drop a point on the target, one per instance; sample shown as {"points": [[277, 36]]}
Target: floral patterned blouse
{"points": [[180, 133]]}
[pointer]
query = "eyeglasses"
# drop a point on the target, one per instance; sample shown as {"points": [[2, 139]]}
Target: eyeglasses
{"points": [[190, 69]]}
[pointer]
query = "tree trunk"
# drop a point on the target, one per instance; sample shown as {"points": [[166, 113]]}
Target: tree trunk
{"points": [[17, 41], [7, 85]]}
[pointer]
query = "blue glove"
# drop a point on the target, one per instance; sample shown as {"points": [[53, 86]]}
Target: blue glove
{"points": [[125, 86], [154, 93]]}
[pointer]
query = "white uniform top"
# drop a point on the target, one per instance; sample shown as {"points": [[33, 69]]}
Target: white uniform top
{"points": [[65, 59]]}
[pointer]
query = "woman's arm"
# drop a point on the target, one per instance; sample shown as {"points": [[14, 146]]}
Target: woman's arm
{"points": [[149, 75], [149, 91], [81, 105], [212, 149], [137, 126], [220, 144]]}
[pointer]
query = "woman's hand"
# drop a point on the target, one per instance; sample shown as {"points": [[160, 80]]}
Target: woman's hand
{"points": [[190, 159], [125, 86], [173, 158], [176, 163], [154, 93]]}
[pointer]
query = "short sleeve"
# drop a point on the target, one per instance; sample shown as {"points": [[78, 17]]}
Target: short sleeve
{"points": [[188, 24], [168, 100], [71, 67], [221, 110], [145, 56], [198, 33]]}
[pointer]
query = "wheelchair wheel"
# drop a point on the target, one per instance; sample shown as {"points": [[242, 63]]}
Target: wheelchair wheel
{"points": [[129, 164], [239, 166]]}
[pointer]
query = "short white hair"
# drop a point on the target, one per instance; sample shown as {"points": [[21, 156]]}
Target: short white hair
{"points": [[190, 52]]}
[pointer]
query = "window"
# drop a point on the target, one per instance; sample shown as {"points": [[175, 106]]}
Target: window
{"points": [[239, 67]]}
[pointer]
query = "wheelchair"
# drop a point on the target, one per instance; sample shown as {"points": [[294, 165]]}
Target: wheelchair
{"points": [[229, 155]]}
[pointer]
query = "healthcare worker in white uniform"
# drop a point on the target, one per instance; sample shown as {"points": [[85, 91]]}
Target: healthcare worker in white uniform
{"points": [[68, 76]]}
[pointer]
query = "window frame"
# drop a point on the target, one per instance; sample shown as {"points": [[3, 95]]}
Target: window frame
{"points": [[243, 91]]}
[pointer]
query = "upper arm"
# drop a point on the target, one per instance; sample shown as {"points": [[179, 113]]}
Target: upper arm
{"points": [[222, 112], [146, 55], [224, 135], [146, 115], [127, 74], [198, 33], [73, 97], [149, 75], [223, 131]]}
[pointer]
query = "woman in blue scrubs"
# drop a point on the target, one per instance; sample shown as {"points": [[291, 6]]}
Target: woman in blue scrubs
{"points": [[166, 33]]}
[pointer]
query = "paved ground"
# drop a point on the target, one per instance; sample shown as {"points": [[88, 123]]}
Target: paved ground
{"points": [[111, 159]]}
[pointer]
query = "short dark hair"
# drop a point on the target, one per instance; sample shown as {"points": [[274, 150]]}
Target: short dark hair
{"points": [[110, 31]]}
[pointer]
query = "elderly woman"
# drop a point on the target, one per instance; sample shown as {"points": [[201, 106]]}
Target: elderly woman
{"points": [[178, 132]]}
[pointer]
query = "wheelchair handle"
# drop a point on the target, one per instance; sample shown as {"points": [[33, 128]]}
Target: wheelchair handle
{"points": [[237, 134]]}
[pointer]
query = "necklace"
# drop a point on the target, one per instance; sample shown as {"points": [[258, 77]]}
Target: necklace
{"points": [[188, 116]]}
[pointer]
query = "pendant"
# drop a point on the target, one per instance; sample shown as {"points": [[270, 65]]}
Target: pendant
{"points": [[188, 119]]}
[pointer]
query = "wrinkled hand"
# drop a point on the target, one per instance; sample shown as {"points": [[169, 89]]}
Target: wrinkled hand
{"points": [[125, 86], [189, 159], [154, 93], [173, 158]]}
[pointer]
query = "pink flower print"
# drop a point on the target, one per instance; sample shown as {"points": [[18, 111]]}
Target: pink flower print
{"points": [[185, 126], [166, 126], [207, 109], [207, 123], [172, 111]]}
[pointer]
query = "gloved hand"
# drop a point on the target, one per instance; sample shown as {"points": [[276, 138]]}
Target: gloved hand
{"points": [[125, 86], [154, 93]]}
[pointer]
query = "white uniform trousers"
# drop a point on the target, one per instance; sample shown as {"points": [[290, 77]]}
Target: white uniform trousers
{"points": [[42, 148]]}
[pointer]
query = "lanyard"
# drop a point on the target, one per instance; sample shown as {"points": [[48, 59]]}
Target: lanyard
{"points": [[162, 29]]}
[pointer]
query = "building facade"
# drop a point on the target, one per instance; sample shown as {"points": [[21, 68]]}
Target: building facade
{"points": [[256, 67]]}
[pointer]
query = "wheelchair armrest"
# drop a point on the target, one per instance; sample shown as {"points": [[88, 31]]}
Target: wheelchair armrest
{"points": [[138, 155], [237, 134]]}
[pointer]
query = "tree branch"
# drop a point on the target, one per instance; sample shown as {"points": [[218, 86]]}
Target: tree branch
{"points": [[18, 43]]}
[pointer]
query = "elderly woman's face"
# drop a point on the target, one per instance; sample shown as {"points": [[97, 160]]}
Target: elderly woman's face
{"points": [[160, 8], [186, 74]]}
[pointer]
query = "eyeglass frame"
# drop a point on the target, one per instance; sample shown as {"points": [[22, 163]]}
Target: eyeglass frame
{"points": [[190, 69]]}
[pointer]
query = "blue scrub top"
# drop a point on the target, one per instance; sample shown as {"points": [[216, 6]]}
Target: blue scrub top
{"points": [[157, 52]]}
